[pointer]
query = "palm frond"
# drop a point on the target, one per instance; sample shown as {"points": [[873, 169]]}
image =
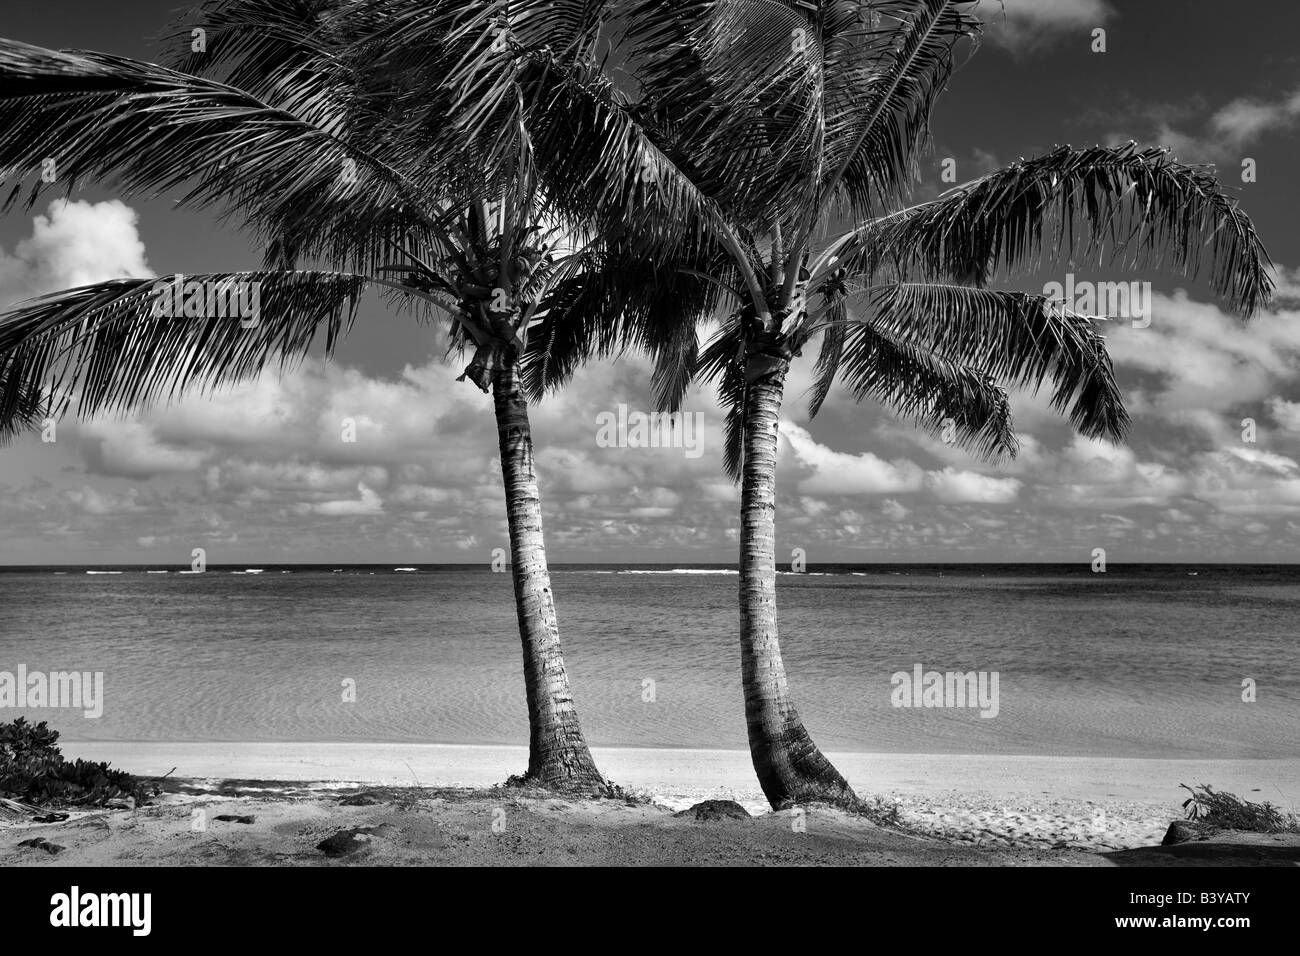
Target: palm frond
{"points": [[108, 345], [731, 395], [722, 360], [1122, 206], [736, 86], [931, 390], [830, 354], [1018, 338], [23, 406], [151, 130], [615, 301], [882, 84], [604, 166], [284, 52], [453, 71]]}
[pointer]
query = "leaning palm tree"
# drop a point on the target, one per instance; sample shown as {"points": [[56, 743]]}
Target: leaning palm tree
{"points": [[333, 148], [787, 135]]}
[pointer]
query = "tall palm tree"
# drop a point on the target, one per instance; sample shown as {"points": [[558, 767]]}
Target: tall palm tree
{"points": [[333, 144], [782, 140]]}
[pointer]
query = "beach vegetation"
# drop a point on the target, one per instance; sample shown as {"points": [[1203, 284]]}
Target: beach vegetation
{"points": [[33, 771], [1217, 808]]}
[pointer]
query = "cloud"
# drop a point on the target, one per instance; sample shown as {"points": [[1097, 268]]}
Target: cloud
{"points": [[892, 510], [1286, 414], [127, 449], [1244, 119], [1029, 25], [1205, 362], [90, 501], [1246, 482], [1097, 474], [74, 244], [1224, 134], [953, 487], [368, 504], [837, 473]]}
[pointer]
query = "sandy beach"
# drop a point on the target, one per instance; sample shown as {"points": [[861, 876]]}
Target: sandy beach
{"points": [[437, 803]]}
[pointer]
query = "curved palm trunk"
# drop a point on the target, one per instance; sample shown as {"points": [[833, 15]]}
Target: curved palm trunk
{"points": [[558, 756], [790, 768]]}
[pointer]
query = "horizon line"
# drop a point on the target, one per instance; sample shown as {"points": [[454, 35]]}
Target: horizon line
{"points": [[681, 564]]}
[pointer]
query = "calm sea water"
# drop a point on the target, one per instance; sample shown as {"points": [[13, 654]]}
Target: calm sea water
{"points": [[1140, 661]]}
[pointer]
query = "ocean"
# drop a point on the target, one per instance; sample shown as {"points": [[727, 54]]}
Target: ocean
{"points": [[1150, 660]]}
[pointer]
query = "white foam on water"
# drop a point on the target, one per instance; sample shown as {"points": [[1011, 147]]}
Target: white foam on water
{"points": [[683, 571]]}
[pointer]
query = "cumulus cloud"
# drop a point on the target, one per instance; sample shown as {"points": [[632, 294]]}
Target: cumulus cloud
{"points": [[838, 473], [1246, 482], [1286, 414], [369, 503], [1206, 361], [74, 244], [1097, 474], [892, 510], [952, 487], [130, 449]]}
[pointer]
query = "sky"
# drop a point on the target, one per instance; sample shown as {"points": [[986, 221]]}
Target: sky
{"points": [[261, 474]]}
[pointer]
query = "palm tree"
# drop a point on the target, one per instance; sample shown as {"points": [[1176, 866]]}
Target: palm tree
{"points": [[331, 131], [777, 144]]}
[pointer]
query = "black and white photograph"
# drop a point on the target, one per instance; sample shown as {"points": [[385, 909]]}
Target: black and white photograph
{"points": [[651, 433]]}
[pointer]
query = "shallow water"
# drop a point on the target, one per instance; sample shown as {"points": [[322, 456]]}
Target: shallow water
{"points": [[1140, 661]]}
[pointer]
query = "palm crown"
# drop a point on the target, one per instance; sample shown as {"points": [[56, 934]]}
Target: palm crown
{"points": [[331, 143], [766, 126]]}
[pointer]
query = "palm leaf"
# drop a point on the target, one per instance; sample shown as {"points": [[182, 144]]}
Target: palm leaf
{"points": [[1017, 338], [152, 129], [105, 344], [882, 86], [1127, 207], [931, 390], [829, 355], [613, 301], [735, 86], [23, 406]]}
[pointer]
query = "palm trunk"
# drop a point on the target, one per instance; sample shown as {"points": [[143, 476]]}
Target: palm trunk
{"points": [[790, 768], [558, 756]]}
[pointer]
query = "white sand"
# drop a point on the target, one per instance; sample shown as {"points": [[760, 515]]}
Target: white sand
{"points": [[980, 799]]}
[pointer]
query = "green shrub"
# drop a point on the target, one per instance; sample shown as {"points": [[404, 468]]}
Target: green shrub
{"points": [[33, 771]]}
